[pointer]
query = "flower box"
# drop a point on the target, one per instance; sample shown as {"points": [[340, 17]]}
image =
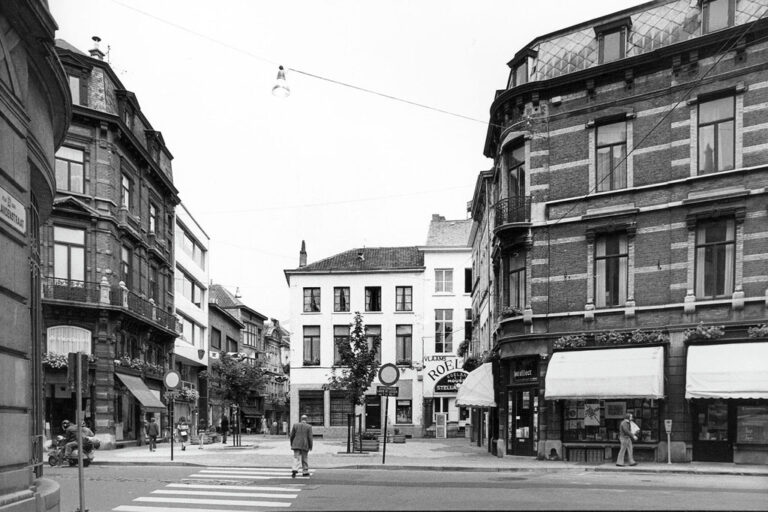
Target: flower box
{"points": [[367, 445]]}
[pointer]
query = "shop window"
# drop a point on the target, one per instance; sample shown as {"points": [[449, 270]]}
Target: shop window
{"points": [[715, 251], [716, 138], [403, 344], [443, 280], [341, 299], [598, 420], [70, 165], [373, 298], [443, 331], [311, 405], [341, 407], [611, 257], [611, 156], [713, 422], [717, 14], [311, 300], [372, 335], [403, 298], [340, 336], [752, 424], [311, 345], [404, 411]]}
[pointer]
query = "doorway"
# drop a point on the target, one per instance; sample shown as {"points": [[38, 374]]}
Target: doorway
{"points": [[714, 431], [522, 410], [373, 412]]}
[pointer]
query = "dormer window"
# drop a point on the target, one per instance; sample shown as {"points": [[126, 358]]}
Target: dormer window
{"points": [[612, 40], [522, 66], [717, 14]]}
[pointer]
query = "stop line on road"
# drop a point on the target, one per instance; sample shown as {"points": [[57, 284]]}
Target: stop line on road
{"points": [[199, 496]]}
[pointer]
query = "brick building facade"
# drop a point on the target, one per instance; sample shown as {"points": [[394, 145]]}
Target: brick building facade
{"points": [[627, 206], [107, 255]]}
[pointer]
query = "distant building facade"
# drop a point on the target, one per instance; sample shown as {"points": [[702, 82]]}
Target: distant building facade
{"points": [[35, 111], [225, 331], [625, 208], [107, 259]]}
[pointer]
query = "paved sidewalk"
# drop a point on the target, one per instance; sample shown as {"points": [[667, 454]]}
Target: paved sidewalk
{"points": [[415, 454]]}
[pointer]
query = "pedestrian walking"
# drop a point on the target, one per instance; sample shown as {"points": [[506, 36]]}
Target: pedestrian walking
{"points": [[264, 428], [626, 436], [224, 428], [182, 427], [201, 433], [301, 444], [153, 430]]}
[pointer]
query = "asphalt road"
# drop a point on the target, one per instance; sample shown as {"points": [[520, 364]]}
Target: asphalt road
{"points": [[169, 489]]}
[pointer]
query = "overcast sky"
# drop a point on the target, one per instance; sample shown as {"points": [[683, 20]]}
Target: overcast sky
{"points": [[331, 165]]}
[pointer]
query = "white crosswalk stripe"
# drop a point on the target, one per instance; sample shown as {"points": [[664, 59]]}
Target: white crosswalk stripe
{"points": [[207, 497]]}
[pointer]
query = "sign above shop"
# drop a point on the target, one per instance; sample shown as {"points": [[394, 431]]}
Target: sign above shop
{"points": [[387, 391], [525, 370], [450, 382]]}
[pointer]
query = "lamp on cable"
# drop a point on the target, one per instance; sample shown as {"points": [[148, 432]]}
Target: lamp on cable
{"points": [[281, 89]]}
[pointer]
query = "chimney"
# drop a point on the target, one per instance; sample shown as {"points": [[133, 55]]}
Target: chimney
{"points": [[436, 217], [360, 255], [95, 52], [303, 255]]}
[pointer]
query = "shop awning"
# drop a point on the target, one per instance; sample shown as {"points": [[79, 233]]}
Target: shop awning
{"points": [[477, 388], [727, 370], [606, 373], [250, 412], [142, 393]]}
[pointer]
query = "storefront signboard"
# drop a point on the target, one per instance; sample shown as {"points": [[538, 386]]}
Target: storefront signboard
{"points": [[450, 383], [525, 370]]}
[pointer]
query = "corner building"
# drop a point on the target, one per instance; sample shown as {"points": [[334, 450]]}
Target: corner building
{"points": [[107, 259], [627, 206]]}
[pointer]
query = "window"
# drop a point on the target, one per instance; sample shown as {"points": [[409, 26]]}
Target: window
{"points": [[403, 344], [125, 192], [467, 280], [192, 331], [231, 345], [69, 253], [443, 280], [403, 298], [340, 336], [606, 415], [126, 266], [716, 135], [468, 324], [154, 283], [715, 250], [373, 298], [443, 330], [442, 405], [372, 334], [311, 345], [189, 289], [403, 411], [514, 161], [152, 218], [611, 156], [190, 246], [250, 334], [611, 260], [717, 14], [612, 46], [78, 86], [341, 407], [70, 163], [215, 338], [341, 299], [311, 300], [311, 405], [515, 296]]}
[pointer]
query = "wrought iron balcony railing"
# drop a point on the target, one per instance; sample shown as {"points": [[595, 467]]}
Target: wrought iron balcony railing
{"points": [[512, 210]]}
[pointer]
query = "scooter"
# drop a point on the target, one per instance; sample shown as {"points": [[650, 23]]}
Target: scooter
{"points": [[57, 454]]}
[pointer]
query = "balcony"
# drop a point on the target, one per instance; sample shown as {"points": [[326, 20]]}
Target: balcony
{"points": [[96, 294], [512, 213]]}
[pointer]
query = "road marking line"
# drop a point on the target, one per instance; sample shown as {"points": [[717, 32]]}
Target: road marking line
{"points": [[213, 493], [237, 477], [234, 487], [248, 471], [196, 501], [139, 508]]}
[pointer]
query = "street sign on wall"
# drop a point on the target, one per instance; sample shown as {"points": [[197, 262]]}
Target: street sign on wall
{"points": [[387, 391]]}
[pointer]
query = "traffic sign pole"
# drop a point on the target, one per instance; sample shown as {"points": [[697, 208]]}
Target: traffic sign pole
{"points": [[386, 420]]}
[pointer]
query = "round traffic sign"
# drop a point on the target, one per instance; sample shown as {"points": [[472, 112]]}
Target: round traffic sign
{"points": [[172, 379], [389, 374]]}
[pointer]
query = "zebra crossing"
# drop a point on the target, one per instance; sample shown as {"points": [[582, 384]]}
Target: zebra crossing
{"points": [[232, 488]]}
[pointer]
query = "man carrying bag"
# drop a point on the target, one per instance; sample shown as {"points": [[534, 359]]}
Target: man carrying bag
{"points": [[626, 436]]}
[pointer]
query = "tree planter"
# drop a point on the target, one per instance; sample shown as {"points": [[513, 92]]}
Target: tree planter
{"points": [[398, 438], [368, 445]]}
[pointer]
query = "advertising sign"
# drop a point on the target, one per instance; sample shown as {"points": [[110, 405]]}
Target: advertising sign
{"points": [[450, 382], [387, 391]]}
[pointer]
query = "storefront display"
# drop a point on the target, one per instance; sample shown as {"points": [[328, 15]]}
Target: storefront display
{"points": [[599, 421]]}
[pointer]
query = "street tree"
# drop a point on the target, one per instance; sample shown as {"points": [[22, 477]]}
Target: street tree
{"points": [[357, 364]]}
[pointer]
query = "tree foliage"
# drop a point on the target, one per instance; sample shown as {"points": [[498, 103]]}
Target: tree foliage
{"points": [[357, 363], [233, 379]]}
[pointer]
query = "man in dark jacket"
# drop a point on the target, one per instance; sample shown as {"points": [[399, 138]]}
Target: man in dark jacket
{"points": [[625, 438], [153, 430], [301, 444], [224, 428]]}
